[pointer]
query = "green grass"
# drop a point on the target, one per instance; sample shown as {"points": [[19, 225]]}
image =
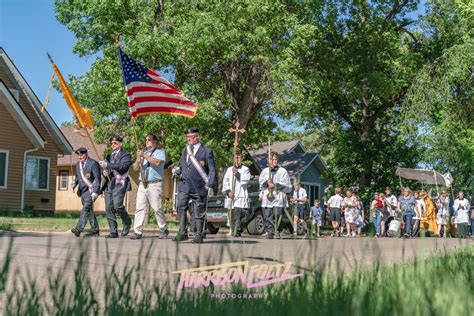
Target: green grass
{"points": [[438, 285], [60, 223]]}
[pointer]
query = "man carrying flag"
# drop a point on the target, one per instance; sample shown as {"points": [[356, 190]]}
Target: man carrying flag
{"points": [[116, 166]]}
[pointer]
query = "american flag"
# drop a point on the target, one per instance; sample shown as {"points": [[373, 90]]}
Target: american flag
{"points": [[149, 93]]}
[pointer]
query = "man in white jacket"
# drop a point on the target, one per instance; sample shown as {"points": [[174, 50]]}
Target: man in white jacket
{"points": [[276, 180], [462, 210], [234, 187]]}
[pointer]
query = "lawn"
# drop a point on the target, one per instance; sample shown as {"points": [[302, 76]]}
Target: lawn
{"points": [[58, 223]]}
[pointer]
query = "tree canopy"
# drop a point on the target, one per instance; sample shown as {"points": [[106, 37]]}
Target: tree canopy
{"points": [[373, 84]]}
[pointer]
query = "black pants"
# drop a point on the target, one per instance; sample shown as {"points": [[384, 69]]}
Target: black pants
{"points": [[114, 205], [270, 215], [198, 212], [87, 213], [238, 216]]}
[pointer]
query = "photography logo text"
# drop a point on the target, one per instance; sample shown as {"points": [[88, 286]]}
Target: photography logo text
{"points": [[235, 273]]}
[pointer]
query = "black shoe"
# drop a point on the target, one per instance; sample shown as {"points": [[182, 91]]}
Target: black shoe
{"points": [[197, 240], [163, 233], [180, 238], [136, 236], [90, 234], [76, 232], [125, 231], [111, 235]]}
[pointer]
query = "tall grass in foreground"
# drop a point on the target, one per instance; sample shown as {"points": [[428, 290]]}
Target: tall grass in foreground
{"points": [[439, 285]]}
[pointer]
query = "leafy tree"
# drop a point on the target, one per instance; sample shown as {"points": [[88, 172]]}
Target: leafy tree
{"points": [[361, 61], [441, 104], [229, 56]]}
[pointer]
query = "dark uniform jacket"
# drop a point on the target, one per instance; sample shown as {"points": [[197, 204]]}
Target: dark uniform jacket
{"points": [[191, 181], [91, 171], [121, 162]]}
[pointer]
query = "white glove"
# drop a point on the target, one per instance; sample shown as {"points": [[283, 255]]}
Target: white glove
{"points": [[176, 171], [94, 196], [103, 163]]}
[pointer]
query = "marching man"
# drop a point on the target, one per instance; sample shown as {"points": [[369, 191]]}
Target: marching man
{"points": [[197, 173], [274, 181], [116, 167], [461, 209], [234, 187], [88, 180]]}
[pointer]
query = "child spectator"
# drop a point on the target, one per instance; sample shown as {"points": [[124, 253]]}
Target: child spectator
{"points": [[317, 214]]}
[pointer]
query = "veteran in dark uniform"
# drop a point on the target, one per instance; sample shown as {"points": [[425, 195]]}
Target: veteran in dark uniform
{"points": [[197, 173], [116, 167], [88, 180]]}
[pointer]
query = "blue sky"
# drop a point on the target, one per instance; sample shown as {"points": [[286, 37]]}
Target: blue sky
{"points": [[29, 29]]}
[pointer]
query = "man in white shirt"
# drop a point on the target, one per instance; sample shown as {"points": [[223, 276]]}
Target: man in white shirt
{"points": [[462, 209], [276, 181], [300, 200], [335, 203], [234, 187]]}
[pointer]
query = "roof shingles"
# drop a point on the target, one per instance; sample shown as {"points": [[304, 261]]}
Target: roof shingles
{"points": [[77, 140]]}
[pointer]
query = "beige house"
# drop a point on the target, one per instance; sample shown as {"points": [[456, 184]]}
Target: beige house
{"points": [[67, 201], [30, 143]]}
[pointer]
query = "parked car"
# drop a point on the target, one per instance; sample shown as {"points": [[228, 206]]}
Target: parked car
{"points": [[253, 222]]}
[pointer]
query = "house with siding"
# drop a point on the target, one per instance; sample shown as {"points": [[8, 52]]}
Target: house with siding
{"points": [[305, 166], [30, 143]]}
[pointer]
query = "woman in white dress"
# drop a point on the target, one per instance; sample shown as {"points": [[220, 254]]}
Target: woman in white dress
{"points": [[443, 212], [350, 210]]}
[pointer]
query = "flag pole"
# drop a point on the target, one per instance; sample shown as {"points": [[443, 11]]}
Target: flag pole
{"points": [[93, 144], [116, 38], [236, 130], [70, 100]]}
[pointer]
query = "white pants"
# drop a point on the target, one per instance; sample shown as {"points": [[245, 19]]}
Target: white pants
{"points": [[146, 198]]}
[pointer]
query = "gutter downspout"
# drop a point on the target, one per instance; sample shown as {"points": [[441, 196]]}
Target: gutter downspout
{"points": [[22, 204]]}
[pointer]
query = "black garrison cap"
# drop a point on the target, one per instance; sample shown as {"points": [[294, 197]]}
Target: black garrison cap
{"points": [[81, 150], [192, 130], [116, 138]]}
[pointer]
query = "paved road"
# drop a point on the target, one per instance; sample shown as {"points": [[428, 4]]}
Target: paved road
{"points": [[52, 259], [61, 251]]}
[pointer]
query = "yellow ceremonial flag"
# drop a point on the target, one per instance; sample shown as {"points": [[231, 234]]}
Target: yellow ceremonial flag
{"points": [[83, 116]]}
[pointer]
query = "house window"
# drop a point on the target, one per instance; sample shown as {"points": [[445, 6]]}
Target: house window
{"points": [[37, 173], [63, 180], [3, 168]]}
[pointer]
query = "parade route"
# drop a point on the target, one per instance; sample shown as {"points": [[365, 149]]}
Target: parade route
{"points": [[42, 252]]}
